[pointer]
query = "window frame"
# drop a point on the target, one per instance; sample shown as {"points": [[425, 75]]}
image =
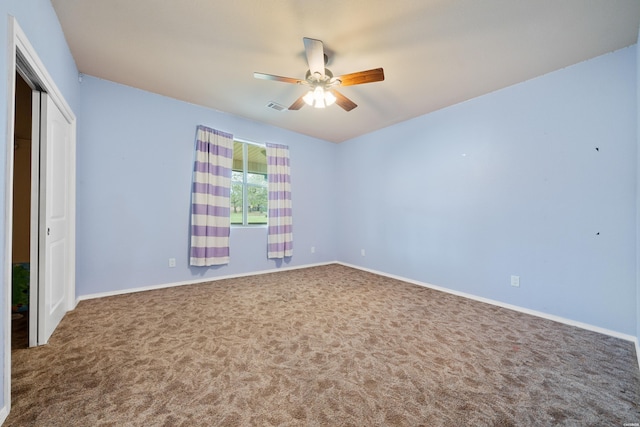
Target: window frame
{"points": [[245, 185]]}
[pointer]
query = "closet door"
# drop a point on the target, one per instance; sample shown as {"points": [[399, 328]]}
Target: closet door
{"points": [[55, 141]]}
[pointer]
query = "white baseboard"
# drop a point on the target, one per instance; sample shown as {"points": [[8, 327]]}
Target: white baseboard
{"points": [[195, 281], [4, 413], [541, 314]]}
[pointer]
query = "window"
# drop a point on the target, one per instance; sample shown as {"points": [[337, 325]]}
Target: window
{"points": [[249, 184]]}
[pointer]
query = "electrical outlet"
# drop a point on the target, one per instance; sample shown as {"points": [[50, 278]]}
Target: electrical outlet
{"points": [[362, 252], [313, 249], [515, 281], [172, 262]]}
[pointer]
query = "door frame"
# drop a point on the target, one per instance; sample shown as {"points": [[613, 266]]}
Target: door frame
{"points": [[18, 43]]}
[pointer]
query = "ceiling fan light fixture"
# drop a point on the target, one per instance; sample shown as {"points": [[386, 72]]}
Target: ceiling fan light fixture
{"points": [[318, 97], [329, 98], [308, 98]]}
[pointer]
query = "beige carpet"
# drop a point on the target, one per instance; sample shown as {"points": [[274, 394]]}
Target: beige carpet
{"points": [[324, 346]]}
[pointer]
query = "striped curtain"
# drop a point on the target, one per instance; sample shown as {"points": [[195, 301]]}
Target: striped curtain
{"points": [[280, 236], [210, 198]]}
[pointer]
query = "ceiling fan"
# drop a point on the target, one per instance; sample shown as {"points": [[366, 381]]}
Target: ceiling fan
{"points": [[321, 81]]}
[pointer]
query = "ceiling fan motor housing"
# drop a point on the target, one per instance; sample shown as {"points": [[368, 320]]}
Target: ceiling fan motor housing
{"points": [[317, 78]]}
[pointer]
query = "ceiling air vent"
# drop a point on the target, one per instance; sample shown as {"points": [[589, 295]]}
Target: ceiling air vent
{"points": [[276, 106]]}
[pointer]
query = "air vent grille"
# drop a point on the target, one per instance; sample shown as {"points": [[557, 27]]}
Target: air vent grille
{"points": [[276, 106]]}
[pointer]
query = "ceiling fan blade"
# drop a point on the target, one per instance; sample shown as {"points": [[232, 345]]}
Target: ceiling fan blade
{"points": [[345, 103], [277, 78], [297, 104], [369, 76], [315, 55]]}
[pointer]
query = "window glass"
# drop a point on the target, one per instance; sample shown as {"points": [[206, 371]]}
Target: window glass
{"points": [[249, 184]]}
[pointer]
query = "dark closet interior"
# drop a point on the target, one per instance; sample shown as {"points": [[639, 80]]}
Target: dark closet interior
{"points": [[21, 216]]}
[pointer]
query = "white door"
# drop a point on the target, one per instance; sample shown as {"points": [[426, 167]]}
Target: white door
{"points": [[54, 275], [34, 242]]}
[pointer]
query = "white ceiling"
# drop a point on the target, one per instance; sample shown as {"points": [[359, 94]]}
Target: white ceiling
{"points": [[435, 53]]}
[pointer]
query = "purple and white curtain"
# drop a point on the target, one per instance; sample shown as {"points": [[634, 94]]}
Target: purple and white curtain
{"points": [[210, 198], [280, 235]]}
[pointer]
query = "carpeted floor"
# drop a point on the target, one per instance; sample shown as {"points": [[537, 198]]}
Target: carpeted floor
{"points": [[323, 346]]}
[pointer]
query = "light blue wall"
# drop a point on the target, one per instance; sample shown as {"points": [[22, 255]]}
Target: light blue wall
{"points": [[508, 184], [40, 24], [133, 192]]}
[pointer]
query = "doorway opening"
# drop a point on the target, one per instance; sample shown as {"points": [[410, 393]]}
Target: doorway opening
{"points": [[22, 196], [51, 212]]}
